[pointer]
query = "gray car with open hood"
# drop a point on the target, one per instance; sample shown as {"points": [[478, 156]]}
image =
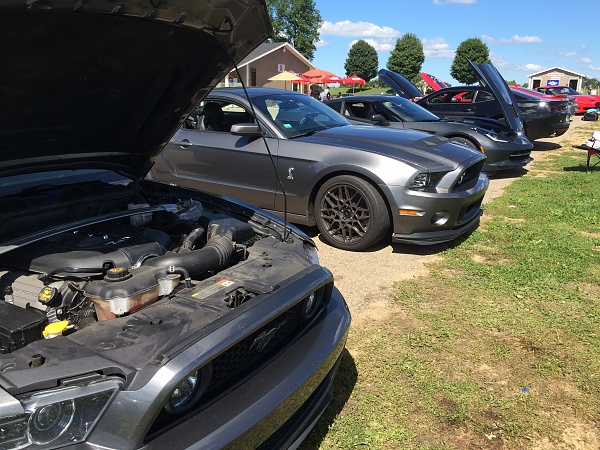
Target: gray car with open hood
{"points": [[135, 314]]}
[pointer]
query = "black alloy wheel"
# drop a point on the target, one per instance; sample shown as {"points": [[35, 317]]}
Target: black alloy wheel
{"points": [[351, 214]]}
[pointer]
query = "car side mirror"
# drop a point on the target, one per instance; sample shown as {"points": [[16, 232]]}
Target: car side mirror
{"points": [[246, 129], [380, 120]]}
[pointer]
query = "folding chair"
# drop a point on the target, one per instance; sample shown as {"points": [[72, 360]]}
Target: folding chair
{"points": [[592, 146], [593, 149]]}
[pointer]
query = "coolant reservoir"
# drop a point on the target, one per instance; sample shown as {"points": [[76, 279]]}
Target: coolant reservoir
{"points": [[126, 290]]}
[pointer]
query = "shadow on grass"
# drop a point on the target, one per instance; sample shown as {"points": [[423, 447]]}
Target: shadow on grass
{"points": [[343, 385], [541, 146]]}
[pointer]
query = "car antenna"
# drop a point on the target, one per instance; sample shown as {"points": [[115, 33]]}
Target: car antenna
{"points": [[286, 230]]}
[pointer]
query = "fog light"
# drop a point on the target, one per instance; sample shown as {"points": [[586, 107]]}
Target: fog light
{"points": [[49, 422], [311, 305], [440, 218], [188, 391]]}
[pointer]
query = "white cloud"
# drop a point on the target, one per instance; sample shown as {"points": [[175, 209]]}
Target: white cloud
{"points": [[486, 38], [379, 46], [437, 48], [592, 67], [567, 54], [532, 67], [357, 29], [501, 64], [585, 60], [516, 39], [321, 43]]}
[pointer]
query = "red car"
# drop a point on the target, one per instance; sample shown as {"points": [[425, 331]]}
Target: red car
{"points": [[584, 102], [572, 105]]}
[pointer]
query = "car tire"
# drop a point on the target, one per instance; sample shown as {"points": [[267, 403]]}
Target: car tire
{"points": [[350, 213], [465, 141]]}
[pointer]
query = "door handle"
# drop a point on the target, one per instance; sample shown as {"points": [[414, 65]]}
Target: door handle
{"points": [[183, 143], [468, 110], [290, 173]]}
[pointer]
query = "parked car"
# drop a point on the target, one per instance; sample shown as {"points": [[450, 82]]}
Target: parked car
{"points": [[541, 118], [432, 81], [504, 150], [354, 183], [134, 314], [571, 106], [584, 102]]}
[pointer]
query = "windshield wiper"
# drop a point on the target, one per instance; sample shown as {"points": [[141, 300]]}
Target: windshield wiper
{"points": [[308, 133]]}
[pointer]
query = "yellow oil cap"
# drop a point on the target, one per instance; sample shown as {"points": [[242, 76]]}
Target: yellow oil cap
{"points": [[55, 328]]}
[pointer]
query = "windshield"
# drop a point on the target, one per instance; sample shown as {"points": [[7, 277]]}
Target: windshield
{"points": [[297, 114], [404, 110], [563, 91]]}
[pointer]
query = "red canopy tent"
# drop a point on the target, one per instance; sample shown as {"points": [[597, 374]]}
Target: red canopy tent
{"points": [[354, 80], [316, 75]]}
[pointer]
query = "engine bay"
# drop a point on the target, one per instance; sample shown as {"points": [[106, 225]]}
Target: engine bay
{"points": [[97, 252]]}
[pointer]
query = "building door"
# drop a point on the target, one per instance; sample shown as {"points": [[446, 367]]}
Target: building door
{"points": [[573, 83]]}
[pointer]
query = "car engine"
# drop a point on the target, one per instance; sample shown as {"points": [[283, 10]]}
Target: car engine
{"points": [[74, 256]]}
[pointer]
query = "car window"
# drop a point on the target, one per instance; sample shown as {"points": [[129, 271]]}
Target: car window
{"points": [[297, 115], [483, 96], [401, 109], [356, 109], [218, 115]]}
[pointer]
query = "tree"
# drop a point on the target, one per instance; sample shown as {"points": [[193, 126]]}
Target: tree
{"points": [[362, 60], [407, 57], [473, 49], [296, 22], [591, 83]]}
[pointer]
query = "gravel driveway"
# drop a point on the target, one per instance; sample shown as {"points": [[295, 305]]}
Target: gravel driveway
{"points": [[365, 279]]}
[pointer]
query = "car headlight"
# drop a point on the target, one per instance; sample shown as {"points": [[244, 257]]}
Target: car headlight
{"points": [[426, 180], [58, 417], [497, 137]]}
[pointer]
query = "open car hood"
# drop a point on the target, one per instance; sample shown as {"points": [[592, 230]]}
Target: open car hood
{"points": [[432, 81], [400, 85], [490, 77], [99, 84]]}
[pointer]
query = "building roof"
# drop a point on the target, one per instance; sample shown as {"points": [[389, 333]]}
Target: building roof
{"points": [[269, 47], [561, 69]]}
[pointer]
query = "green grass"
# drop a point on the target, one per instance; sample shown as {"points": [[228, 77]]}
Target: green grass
{"points": [[500, 346]]}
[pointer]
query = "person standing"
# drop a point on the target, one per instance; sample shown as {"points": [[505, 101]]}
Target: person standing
{"points": [[325, 94]]}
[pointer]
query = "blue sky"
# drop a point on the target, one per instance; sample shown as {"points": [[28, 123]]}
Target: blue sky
{"points": [[524, 37]]}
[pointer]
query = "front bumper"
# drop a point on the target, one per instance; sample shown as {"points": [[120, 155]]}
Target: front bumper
{"points": [[445, 217], [507, 155], [281, 400]]}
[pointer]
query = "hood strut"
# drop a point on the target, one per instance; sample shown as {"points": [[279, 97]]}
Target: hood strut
{"points": [[286, 230]]}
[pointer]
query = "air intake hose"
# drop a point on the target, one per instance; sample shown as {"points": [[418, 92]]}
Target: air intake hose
{"points": [[213, 256]]}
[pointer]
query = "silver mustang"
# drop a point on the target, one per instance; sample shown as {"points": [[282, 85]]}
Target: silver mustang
{"points": [[356, 184]]}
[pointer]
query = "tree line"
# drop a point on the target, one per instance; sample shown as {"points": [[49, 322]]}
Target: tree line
{"points": [[298, 22]]}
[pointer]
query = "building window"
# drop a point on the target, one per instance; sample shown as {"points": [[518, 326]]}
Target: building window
{"points": [[252, 76]]}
